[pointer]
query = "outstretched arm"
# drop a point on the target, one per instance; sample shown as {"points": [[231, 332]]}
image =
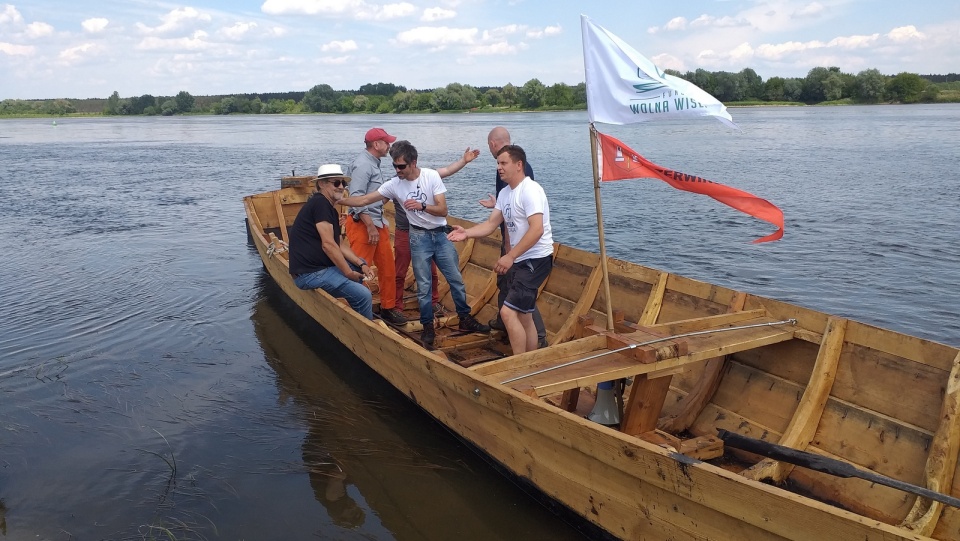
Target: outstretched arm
{"points": [[361, 200], [468, 156], [480, 230]]}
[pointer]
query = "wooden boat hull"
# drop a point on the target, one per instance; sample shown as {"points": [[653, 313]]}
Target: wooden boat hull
{"points": [[801, 385]]}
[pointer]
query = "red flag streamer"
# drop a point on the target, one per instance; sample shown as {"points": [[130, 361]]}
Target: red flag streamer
{"points": [[619, 162]]}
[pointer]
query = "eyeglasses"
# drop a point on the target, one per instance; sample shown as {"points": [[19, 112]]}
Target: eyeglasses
{"points": [[337, 183], [400, 166]]}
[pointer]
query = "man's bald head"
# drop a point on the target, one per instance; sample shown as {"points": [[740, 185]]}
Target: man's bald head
{"points": [[499, 137]]}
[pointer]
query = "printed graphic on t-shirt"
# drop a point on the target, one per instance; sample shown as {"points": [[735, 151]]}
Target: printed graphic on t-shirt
{"points": [[419, 196], [508, 218]]}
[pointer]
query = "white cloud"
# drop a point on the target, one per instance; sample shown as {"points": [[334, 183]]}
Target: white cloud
{"points": [[176, 20], [238, 30], [355, 9], [904, 34], [546, 32], [499, 48], [11, 49], [437, 14], [676, 23], [95, 25], [339, 46], [854, 42], [74, 54], [195, 42], [38, 30], [437, 36], [10, 15], [814, 9]]}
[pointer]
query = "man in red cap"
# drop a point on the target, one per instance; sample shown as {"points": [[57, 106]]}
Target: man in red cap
{"points": [[368, 230]]}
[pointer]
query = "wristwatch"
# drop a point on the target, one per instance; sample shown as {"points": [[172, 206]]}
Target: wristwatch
{"points": [[362, 261], [423, 206]]}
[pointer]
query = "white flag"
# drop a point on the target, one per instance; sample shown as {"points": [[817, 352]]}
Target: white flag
{"points": [[623, 87]]}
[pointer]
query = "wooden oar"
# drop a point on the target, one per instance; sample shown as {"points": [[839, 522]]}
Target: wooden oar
{"points": [[826, 465]]}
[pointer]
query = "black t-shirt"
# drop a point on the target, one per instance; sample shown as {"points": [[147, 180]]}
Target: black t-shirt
{"points": [[306, 247]]}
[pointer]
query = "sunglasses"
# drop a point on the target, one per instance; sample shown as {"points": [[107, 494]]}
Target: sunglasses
{"points": [[400, 166], [337, 183]]}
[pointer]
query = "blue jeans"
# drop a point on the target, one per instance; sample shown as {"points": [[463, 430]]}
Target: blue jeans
{"points": [[335, 283], [433, 245]]}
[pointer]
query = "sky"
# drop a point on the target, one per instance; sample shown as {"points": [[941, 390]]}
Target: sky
{"points": [[91, 48]]}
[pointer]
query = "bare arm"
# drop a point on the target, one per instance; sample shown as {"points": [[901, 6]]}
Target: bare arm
{"points": [[468, 156], [480, 230], [361, 200]]}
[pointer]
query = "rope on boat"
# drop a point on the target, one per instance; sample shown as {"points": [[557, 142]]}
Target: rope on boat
{"points": [[273, 248], [634, 346]]}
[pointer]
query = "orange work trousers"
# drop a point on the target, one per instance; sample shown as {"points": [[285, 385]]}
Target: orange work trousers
{"points": [[379, 255]]}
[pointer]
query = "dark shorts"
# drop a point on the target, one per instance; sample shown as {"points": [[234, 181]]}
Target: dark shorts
{"points": [[523, 280]]}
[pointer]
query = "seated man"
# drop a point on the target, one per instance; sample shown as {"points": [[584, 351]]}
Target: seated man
{"points": [[318, 258], [421, 193], [522, 204]]}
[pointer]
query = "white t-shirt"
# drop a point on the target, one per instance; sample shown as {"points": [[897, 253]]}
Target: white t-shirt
{"points": [[423, 189], [517, 205]]}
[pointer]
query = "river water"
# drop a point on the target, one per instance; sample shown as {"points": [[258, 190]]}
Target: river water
{"points": [[155, 383]]}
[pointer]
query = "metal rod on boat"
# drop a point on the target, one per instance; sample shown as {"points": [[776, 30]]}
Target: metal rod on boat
{"points": [[603, 245], [647, 343], [832, 466]]}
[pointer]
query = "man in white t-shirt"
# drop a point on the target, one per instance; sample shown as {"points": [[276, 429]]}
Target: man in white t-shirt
{"points": [[523, 205], [420, 192]]}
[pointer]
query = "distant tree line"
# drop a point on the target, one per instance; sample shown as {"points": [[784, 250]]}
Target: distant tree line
{"points": [[821, 85]]}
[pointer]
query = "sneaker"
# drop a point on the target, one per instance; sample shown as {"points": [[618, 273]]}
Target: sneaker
{"points": [[469, 323], [428, 335], [438, 309], [497, 324], [393, 316]]}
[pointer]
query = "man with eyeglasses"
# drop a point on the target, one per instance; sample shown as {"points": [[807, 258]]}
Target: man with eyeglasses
{"points": [[319, 258], [420, 192], [368, 230]]}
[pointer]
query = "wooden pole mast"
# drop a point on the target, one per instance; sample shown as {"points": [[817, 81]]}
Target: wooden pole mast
{"points": [[603, 245]]}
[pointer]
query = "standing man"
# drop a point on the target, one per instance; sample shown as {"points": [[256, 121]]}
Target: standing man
{"points": [[366, 228], [420, 192], [523, 206], [401, 238], [318, 258], [498, 138]]}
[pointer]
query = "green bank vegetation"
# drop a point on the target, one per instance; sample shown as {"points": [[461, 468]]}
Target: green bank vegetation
{"points": [[822, 86]]}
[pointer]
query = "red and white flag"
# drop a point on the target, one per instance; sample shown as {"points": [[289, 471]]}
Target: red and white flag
{"points": [[619, 162]]}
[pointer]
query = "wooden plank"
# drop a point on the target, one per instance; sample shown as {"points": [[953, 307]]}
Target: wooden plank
{"points": [[489, 290], [645, 403], [681, 414], [942, 460], [281, 218], [807, 416], [652, 310], [581, 347], [612, 367], [587, 297]]}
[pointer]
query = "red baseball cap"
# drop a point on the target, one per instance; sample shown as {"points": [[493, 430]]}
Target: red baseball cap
{"points": [[377, 134]]}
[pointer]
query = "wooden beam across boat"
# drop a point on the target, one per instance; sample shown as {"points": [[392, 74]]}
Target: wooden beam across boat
{"points": [[610, 360]]}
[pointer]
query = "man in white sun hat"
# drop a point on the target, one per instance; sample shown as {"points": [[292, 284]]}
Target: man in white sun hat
{"points": [[318, 258]]}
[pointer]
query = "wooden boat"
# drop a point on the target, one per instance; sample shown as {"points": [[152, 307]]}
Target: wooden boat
{"points": [[699, 360]]}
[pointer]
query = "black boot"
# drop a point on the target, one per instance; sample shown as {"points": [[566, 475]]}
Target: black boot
{"points": [[428, 335]]}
